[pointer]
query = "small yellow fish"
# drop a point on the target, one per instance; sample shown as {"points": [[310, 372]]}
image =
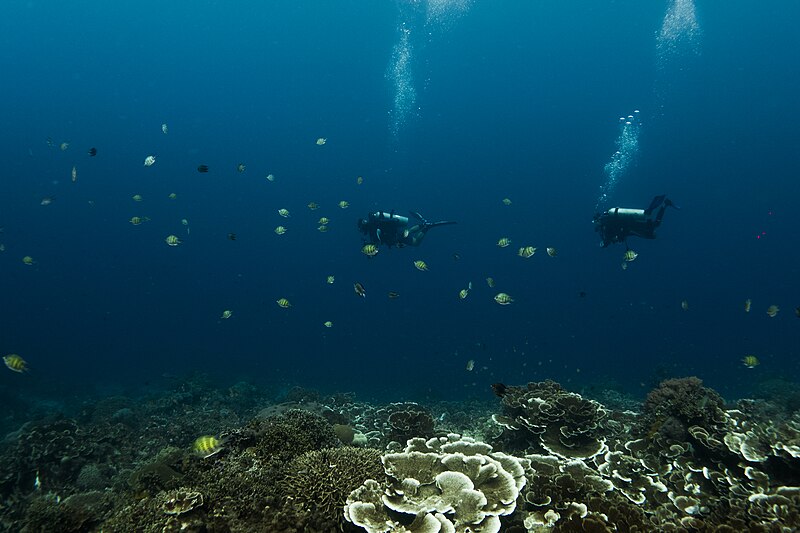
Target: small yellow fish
{"points": [[64, 146], [772, 310], [226, 314], [527, 251], [28, 260], [283, 212], [280, 230], [685, 305], [490, 282], [137, 197], [344, 204], [330, 280], [359, 289], [324, 221], [206, 446], [328, 324], [322, 228], [283, 302], [750, 361], [138, 220], [463, 293], [15, 363], [503, 298], [74, 174], [630, 255], [172, 196], [503, 242], [506, 201], [421, 265], [172, 240], [370, 250], [313, 206], [470, 365], [359, 180], [270, 177], [747, 304], [552, 252], [149, 160], [241, 167], [321, 141]]}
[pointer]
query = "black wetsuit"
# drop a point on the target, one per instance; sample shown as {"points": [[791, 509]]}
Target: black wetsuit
{"points": [[393, 230], [617, 224]]}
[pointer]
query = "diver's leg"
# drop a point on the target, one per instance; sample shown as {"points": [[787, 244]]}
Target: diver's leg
{"points": [[660, 215], [657, 201]]}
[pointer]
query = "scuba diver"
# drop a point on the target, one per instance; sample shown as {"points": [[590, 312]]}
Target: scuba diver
{"points": [[619, 223], [393, 230]]}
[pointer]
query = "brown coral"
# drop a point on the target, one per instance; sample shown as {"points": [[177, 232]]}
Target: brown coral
{"points": [[561, 422], [677, 404], [409, 422], [318, 482]]}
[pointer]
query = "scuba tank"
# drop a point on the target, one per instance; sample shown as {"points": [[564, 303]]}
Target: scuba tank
{"points": [[384, 216], [626, 213]]}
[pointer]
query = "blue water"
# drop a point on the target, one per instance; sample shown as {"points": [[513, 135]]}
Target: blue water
{"points": [[520, 101]]}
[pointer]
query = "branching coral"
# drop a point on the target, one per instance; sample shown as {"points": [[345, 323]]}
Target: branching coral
{"points": [[318, 482]]}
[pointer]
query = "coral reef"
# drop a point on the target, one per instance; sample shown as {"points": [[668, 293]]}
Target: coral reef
{"points": [[450, 481], [677, 404], [79, 512], [555, 461], [560, 422], [409, 422], [382, 425], [318, 482], [287, 436]]}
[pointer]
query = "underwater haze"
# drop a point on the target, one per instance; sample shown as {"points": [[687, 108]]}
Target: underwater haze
{"points": [[444, 107]]}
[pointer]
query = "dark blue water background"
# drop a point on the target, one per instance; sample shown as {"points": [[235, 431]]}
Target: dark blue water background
{"points": [[516, 99]]}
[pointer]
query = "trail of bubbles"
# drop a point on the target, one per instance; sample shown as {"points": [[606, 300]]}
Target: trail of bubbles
{"points": [[443, 13], [433, 16], [401, 80], [680, 31], [627, 148]]}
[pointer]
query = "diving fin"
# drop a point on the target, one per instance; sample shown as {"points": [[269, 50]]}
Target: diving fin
{"points": [[657, 201], [427, 225], [439, 223], [419, 217]]}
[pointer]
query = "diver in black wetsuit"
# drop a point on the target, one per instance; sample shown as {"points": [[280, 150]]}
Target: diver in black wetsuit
{"points": [[619, 223], [393, 230]]}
